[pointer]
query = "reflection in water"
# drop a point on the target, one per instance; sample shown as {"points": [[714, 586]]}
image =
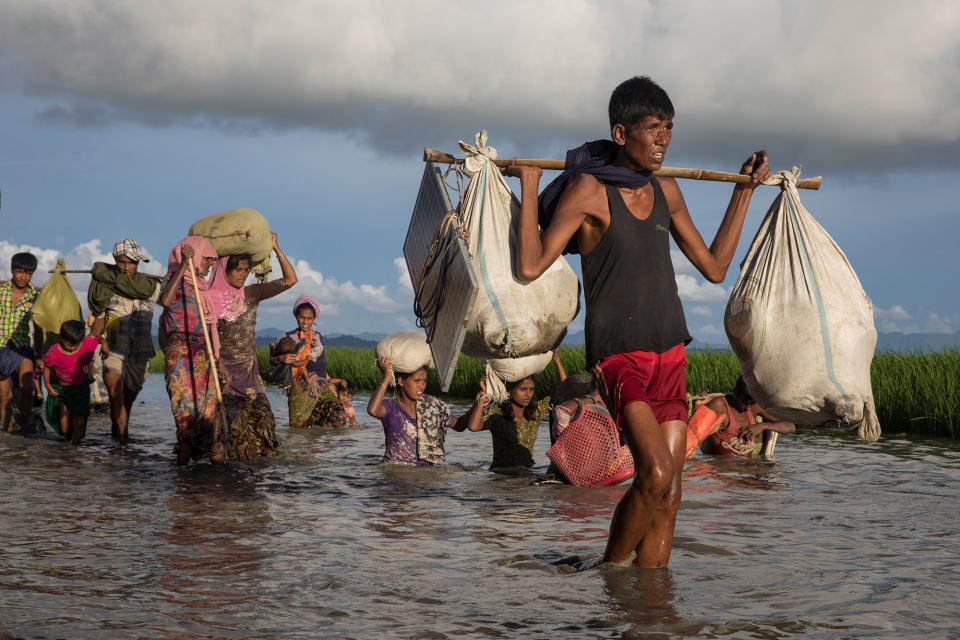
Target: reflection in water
{"points": [[211, 566], [643, 601], [838, 538]]}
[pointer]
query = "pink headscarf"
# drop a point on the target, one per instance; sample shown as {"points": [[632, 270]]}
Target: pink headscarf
{"points": [[201, 249], [307, 300], [229, 301]]}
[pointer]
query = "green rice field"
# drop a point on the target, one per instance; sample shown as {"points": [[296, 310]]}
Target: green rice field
{"points": [[915, 392]]}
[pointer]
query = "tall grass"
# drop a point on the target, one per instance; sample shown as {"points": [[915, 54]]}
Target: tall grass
{"points": [[914, 392], [917, 392]]}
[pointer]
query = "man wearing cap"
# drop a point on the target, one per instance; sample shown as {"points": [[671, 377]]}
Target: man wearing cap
{"points": [[121, 303]]}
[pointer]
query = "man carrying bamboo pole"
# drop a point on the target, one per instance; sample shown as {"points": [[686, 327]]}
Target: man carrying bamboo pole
{"points": [[606, 207], [121, 302]]}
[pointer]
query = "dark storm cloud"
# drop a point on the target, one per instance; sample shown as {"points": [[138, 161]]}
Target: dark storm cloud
{"points": [[832, 86]]}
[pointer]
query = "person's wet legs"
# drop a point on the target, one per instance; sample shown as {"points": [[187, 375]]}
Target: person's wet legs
{"points": [[6, 404], [655, 547], [118, 408], [25, 398], [655, 465]]}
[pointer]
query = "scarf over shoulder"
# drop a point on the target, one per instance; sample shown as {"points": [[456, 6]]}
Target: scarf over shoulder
{"points": [[107, 281], [593, 158]]}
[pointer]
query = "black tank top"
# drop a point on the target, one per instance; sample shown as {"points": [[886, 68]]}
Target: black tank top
{"points": [[629, 284]]}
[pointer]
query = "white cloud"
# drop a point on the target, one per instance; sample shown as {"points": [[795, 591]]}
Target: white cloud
{"points": [[402, 74], [892, 319], [681, 265], [343, 303], [898, 319], [935, 323], [403, 275], [693, 290], [700, 310], [710, 330]]}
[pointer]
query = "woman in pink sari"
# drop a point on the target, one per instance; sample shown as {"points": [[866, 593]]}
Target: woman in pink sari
{"points": [[190, 384]]}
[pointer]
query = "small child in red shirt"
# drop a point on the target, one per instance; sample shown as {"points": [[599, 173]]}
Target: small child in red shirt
{"points": [[66, 375]]}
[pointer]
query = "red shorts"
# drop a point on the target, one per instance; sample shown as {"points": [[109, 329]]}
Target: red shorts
{"points": [[659, 379]]}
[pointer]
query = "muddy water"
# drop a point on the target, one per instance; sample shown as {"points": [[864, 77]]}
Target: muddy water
{"points": [[837, 539]]}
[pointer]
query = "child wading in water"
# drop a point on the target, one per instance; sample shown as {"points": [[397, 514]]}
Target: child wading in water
{"points": [[67, 376], [345, 392], [414, 423]]}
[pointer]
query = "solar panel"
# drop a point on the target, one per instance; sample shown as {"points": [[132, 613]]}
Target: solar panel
{"points": [[443, 279]]}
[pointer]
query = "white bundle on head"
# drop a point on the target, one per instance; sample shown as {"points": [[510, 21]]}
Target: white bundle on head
{"points": [[503, 370], [408, 351]]}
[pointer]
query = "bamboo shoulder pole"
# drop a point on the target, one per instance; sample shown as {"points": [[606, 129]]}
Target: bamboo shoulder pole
{"points": [[213, 361], [432, 155], [87, 271]]}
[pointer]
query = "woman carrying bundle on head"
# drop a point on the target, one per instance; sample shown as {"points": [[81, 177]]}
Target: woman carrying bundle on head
{"points": [[414, 423], [252, 429], [189, 373], [309, 397], [513, 424]]}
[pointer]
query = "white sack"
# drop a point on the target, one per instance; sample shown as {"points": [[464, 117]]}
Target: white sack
{"points": [[406, 350], [801, 324], [502, 370], [511, 318]]}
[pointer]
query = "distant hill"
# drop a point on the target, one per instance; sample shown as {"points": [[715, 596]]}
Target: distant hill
{"points": [[350, 341], [885, 342], [897, 341], [365, 340]]}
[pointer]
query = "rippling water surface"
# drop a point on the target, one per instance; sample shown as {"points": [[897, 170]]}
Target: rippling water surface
{"points": [[836, 539]]}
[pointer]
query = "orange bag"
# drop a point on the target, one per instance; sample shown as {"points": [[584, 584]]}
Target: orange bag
{"points": [[703, 422]]}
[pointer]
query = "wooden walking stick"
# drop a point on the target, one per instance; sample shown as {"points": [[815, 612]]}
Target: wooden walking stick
{"points": [[213, 361], [432, 155]]}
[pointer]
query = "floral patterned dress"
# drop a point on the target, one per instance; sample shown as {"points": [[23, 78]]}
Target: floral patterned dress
{"points": [[251, 425], [513, 440], [193, 397]]}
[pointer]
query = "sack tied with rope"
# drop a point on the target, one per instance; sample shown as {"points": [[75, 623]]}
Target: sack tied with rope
{"points": [[801, 324], [238, 231], [511, 318]]}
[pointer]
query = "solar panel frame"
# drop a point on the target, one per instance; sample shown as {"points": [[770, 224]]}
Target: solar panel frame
{"points": [[459, 289]]}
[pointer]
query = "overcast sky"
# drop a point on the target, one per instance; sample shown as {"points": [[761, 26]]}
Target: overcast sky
{"points": [[136, 118]]}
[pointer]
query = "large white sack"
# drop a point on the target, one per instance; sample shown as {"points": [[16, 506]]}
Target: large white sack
{"points": [[801, 324], [406, 350], [511, 318], [238, 231], [502, 370]]}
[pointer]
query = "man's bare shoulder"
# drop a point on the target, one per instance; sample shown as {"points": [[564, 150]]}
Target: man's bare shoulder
{"points": [[586, 196], [671, 191], [584, 187]]}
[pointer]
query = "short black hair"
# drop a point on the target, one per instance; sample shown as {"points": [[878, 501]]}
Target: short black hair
{"points": [[637, 98], [25, 261], [572, 387], [233, 262], [740, 390], [349, 386], [72, 331]]}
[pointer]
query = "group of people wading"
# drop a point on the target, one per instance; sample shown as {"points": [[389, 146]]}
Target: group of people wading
{"points": [[208, 323], [607, 206]]}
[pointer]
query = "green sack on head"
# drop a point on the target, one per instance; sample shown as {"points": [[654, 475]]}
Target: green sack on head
{"points": [[238, 231], [57, 303]]}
